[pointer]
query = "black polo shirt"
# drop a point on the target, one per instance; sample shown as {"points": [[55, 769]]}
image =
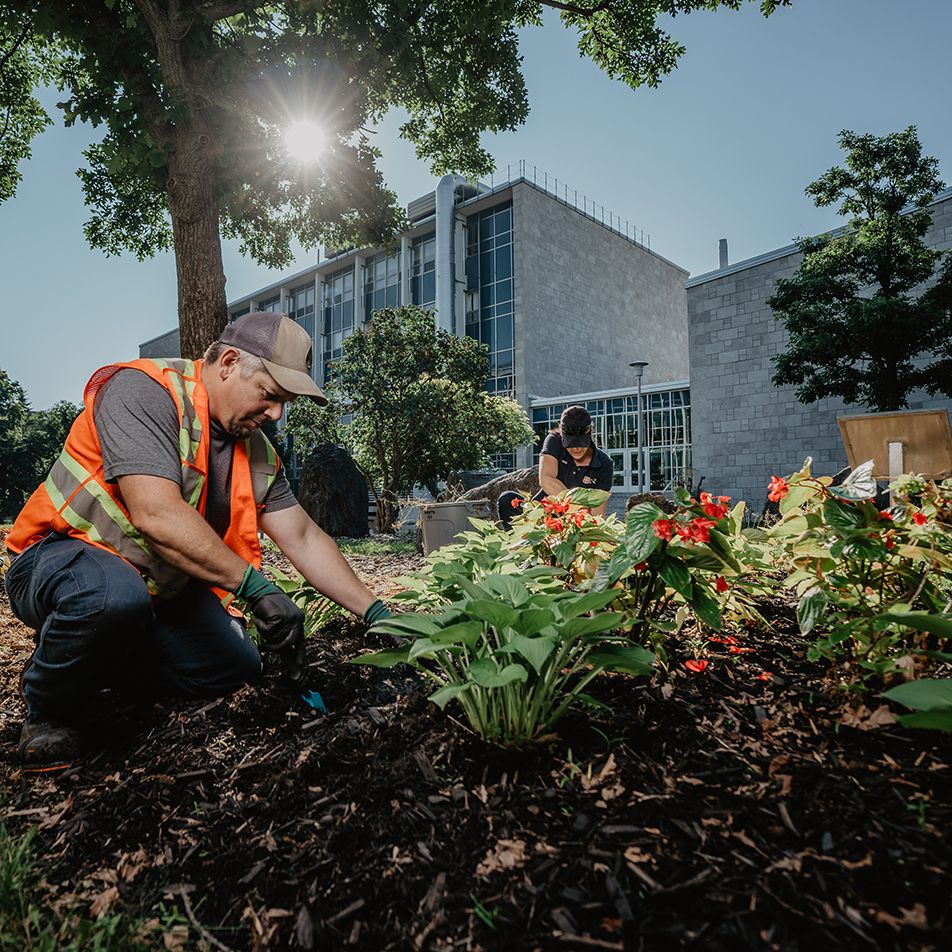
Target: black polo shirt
{"points": [[597, 475]]}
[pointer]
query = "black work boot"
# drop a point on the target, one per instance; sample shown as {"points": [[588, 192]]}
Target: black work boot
{"points": [[47, 745]]}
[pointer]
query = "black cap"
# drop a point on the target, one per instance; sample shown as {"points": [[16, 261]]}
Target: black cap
{"points": [[575, 427]]}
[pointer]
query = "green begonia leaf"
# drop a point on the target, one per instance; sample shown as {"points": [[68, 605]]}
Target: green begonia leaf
{"points": [[640, 538]]}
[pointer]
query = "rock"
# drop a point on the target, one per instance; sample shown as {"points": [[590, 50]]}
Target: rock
{"points": [[665, 505], [333, 492], [520, 481]]}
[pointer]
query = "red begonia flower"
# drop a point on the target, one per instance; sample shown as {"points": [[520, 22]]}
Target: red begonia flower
{"points": [[765, 675], [516, 503], [920, 518], [697, 666], [885, 514], [663, 529], [720, 583], [777, 489], [640, 567], [733, 649]]}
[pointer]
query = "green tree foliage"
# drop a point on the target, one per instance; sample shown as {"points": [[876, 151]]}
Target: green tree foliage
{"points": [[25, 61], [30, 441], [858, 330], [416, 409], [194, 96]]}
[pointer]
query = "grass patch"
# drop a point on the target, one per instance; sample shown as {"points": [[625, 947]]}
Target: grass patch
{"points": [[26, 923], [376, 545]]}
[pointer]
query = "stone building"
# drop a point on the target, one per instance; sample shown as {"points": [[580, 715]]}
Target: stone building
{"points": [[744, 428], [563, 293]]}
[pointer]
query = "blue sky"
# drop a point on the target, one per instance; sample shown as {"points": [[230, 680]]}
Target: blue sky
{"points": [[723, 148]]}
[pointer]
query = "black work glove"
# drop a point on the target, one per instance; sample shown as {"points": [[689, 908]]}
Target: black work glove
{"points": [[280, 623]]}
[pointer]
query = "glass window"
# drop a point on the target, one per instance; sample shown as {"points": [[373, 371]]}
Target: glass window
{"points": [[337, 314], [272, 303], [239, 312], [301, 307], [423, 270], [489, 266], [381, 283]]}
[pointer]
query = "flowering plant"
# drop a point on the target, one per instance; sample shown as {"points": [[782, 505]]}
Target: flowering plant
{"points": [[873, 583]]}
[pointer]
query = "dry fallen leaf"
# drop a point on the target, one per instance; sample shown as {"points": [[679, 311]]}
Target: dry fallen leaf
{"points": [[865, 720], [915, 917], [103, 902], [507, 854]]}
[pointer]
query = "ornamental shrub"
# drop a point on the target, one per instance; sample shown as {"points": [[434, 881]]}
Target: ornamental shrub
{"points": [[873, 584], [513, 625]]}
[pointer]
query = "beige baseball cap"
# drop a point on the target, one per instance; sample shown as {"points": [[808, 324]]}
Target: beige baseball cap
{"points": [[283, 346]]}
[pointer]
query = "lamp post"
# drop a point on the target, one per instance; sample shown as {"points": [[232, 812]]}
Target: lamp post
{"points": [[639, 367]]}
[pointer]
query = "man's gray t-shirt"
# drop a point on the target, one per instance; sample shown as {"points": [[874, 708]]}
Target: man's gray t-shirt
{"points": [[138, 428]]}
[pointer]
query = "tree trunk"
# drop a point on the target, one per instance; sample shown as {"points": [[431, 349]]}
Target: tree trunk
{"points": [[202, 305]]}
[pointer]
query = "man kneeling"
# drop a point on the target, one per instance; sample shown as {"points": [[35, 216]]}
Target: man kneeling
{"points": [[126, 559]]}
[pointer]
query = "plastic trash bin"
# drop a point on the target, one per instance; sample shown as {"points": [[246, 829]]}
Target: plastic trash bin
{"points": [[443, 521]]}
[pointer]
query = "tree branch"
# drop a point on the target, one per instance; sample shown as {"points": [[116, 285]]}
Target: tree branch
{"points": [[17, 43], [221, 10]]}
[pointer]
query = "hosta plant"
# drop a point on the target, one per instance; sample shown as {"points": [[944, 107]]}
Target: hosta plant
{"points": [[873, 584], [318, 609], [514, 652]]}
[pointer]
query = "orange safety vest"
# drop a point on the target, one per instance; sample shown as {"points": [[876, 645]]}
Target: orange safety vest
{"points": [[77, 501]]}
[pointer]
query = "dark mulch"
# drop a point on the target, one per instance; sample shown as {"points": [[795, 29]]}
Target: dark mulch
{"points": [[716, 811]]}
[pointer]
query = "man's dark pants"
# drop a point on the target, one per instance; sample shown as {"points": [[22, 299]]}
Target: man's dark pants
{"points": [[97, 625]]}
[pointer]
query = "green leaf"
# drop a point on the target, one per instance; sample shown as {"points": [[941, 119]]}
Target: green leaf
{"points": [[445, 694], [858, 485], [928, 694], [509, 587], [617, 565], [595, 624], [497, 614], [463, 633], [842, 518], [721, 546], [534, 650], [590, 498], [676, 575], [634, 659], [532, 620], [579, 605], [564, 553], [795, 498], [382, 659], [811, 608], [706, 607], [484, 673], [791, 525], [640, 539], [937, 719], [408, 623], [424, 647], [919, 621]]}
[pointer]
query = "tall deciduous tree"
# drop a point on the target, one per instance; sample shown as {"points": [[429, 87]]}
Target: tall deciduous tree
{"points": [[195, 95], [417, 407], [858, 328]]}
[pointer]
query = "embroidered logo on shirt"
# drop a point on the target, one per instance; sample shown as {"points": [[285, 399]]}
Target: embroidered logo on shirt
{"points": [[587, 479]]}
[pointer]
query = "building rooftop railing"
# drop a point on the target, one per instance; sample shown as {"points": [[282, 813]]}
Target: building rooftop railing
{"points": [[522, 171]]}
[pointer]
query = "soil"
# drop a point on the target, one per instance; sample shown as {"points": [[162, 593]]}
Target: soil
{"points": [[715, 811]]}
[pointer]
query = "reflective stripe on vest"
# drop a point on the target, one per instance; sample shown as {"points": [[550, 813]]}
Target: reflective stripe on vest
{"points": [[82, 500]]}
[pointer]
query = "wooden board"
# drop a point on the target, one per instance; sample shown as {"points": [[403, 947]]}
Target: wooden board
{"points": [[924, 434]]}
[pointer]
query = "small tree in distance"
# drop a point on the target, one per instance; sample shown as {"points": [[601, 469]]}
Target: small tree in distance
{"points": [[30, 441], [857, 329], [416, 406]]}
